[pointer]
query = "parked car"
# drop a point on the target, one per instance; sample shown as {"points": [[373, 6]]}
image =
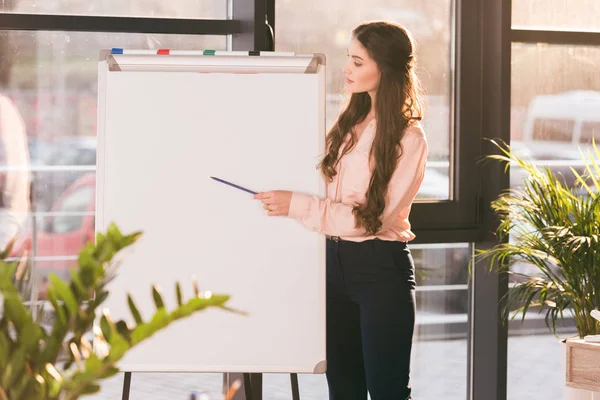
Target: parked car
{"points": [[79, 153], [62, 233], [559, 124]]}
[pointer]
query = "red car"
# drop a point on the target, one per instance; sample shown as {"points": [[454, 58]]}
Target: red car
{"points": [[63, 231]]}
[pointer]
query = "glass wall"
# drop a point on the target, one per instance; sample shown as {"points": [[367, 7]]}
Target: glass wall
{"points": [[440, 352], [48, 96], [47, 161], [439, 359], [554, 113], [326, 26]]}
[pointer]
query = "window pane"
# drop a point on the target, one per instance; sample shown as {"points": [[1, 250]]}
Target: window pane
{"points": [[574, 15], [555, 103], [439, 360], [439, 355], [590, 131], [71, 211], [207, 9], [48, 95], [430, 23], [553, 130], [554, 111]]}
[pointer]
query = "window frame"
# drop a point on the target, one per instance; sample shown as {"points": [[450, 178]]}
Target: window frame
{"points": [[480, 108], [488, 333], [92, 23], [245, 30], [459, 219]]}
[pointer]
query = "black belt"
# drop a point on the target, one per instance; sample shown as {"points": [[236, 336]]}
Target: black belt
{"points": [[339, 239]]}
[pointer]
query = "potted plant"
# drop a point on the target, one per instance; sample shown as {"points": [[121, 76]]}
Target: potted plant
{"points": [[556, 229], [59, 362]]}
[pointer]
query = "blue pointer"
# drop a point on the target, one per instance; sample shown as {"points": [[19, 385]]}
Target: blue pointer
{"points": [[233, 185]]}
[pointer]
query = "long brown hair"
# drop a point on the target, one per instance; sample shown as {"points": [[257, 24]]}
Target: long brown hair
{"points": [[396, 106]]}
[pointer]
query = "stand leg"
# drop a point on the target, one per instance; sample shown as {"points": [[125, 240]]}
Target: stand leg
{"points": [[126, 385], [295, 387], [257, 384], [247, 387]]}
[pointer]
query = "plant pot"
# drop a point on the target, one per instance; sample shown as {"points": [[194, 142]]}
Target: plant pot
{"points": [[570, 393]]}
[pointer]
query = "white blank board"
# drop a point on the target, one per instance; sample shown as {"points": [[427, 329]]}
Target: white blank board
{"points": [[163, 130]]}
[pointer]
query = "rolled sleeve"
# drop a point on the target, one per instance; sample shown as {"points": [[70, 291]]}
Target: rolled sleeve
{"points": [[299, 205]]}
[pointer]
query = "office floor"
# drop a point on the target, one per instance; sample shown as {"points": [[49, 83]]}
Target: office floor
{"points": [[439, 371]]}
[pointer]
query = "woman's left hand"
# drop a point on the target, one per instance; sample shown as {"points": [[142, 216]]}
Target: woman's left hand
{"points": [[276, 202]]}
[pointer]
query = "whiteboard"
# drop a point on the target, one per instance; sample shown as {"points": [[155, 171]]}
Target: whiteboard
{"points": [[167, 123]]}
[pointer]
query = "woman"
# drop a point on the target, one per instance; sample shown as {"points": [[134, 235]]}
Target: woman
{"points": [[374, 166]]}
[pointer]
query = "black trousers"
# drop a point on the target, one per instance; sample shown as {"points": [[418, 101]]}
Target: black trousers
{"points": [[370, 319]]}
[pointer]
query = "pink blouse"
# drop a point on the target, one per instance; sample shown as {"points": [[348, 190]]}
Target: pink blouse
{"points": [[333, 215]]}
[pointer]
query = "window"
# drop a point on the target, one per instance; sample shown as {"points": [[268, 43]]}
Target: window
{"points": [[447, 207], [553, 130], [430, 23], [439, 367], [216, 9], [555, 89], [439, 353], [71, 211], [589, 131], [580, 15], [557, 86], [51, 78], [52, 81]]}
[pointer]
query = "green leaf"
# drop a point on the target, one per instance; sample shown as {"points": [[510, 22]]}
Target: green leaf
{"points": [[144, 331], [5, 350], [134, 310], [28, 332], [36, 389], [14, 369], [54, 380], [89, 389], [64, 293], [7, 272], [107, 327], [195, 286], [114, 234], [118, 347], [100, 298], [112, 371], [30, 339], [179, 296], [131, 238], [7, 250], [93, 363], [123, 330], [61, 315], [88, 264], [16, 312], [158, 300], [17, 391], [106, 251], [82, 291]]}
